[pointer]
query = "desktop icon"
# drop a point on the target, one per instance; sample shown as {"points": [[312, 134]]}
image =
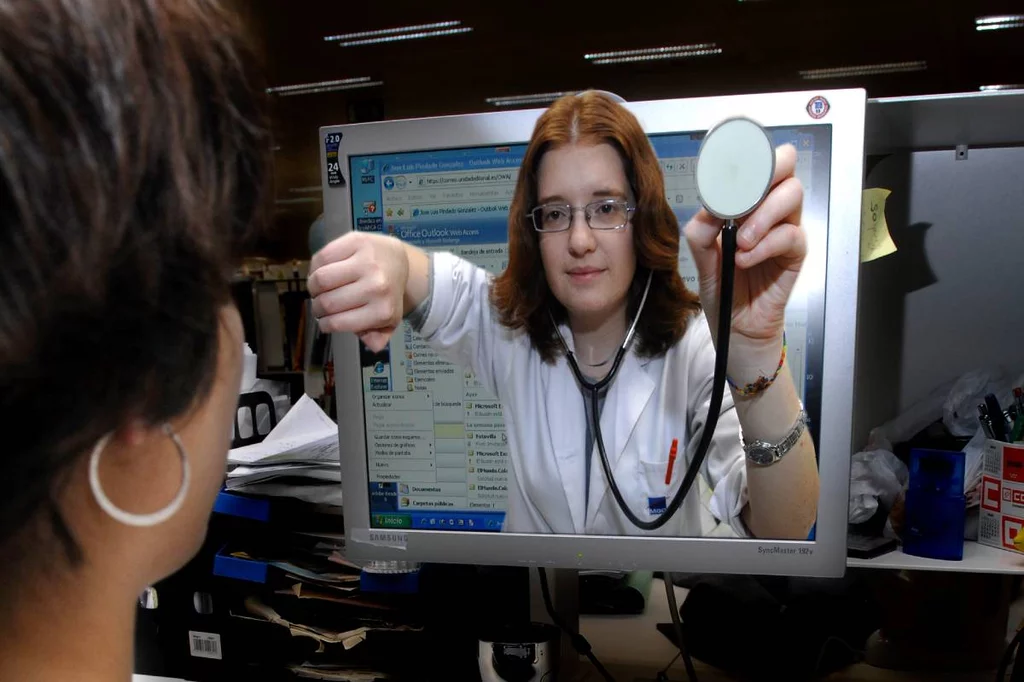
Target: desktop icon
{"points": [[389, 183], [368, 166], [378, 368], [369, 207]]}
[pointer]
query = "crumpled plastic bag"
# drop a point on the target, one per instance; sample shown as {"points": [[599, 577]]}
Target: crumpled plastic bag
{"points": [[876, 477], [960, 408]]}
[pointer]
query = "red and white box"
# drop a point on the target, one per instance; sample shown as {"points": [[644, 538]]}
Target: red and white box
{"points": [[1002, 496]]}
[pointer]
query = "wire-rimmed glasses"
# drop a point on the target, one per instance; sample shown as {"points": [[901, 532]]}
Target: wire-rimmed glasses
{"points": [[605, 214]]}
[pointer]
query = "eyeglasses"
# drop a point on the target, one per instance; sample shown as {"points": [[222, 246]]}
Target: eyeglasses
{"points": [[607, 214]]}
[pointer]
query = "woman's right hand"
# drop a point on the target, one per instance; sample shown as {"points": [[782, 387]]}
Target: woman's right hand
{"points": [[358, 284]]}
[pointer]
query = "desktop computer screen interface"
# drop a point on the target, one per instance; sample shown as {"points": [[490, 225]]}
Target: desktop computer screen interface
{"points": [[436, 451]]}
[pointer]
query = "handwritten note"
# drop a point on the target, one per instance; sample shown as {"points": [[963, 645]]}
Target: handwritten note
{"points": [[875, 240]]}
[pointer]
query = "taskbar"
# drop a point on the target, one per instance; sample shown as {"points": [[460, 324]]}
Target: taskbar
{"points": [[485, 522]]}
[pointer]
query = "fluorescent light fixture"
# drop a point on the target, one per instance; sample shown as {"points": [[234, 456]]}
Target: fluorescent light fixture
{"points": [[406, 36], [391, 35], [865, 70], [390, 31], [536, 98], [999, 22], [653, 53], [302, 200], [991, 88], [324, 86]]}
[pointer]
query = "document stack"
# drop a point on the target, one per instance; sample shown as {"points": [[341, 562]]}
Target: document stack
{"points": [[298, 459]]}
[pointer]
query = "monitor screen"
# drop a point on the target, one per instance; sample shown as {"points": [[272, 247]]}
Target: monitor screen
{"points": [[429, 472], [437, 452]]}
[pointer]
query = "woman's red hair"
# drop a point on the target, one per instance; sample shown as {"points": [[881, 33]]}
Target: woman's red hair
{"points": [[521, 294]]}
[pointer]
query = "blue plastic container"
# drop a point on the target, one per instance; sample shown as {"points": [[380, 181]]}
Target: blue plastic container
{"points": [[935, 505]]}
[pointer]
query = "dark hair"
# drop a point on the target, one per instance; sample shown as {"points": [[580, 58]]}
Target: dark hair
{"points": [[521, 294], [134, 156]]}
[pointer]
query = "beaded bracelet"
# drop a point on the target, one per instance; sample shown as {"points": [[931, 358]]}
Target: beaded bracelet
{"points": [[761, 384]]}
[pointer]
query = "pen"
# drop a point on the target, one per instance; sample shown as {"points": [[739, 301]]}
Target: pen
{"points": [[995, 415], [671, 461], [986, 423], [1017, 432]]}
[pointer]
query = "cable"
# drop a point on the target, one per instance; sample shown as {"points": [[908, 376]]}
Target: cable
{"points": [[670, 592], [663, 675], [1008, 654], [726, 278], [824, 647], [579, 642]]}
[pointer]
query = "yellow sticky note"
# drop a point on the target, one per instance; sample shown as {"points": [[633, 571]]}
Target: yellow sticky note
{"points": [[875, 240]]}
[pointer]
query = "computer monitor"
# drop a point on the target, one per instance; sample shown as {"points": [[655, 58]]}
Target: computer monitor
{"points": [[425, 458]]}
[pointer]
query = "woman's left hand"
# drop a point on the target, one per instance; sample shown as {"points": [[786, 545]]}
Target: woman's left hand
{"points": [[770, 248]]}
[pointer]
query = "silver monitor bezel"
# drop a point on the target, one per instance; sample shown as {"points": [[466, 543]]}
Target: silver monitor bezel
{"points": [[825, 556]]}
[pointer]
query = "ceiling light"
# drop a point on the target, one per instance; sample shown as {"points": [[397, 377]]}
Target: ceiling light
{"points": [[389, 31], [997, 23], [324, 86], [989, 88], [392, 35], [302, 200], [865, 70], [406, 36], [654, 53], [536, 98]]}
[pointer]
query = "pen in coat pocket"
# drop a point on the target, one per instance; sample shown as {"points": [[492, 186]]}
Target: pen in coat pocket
{"points": [[671, 461]]}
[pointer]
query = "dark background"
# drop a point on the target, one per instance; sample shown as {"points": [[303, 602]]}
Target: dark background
{"points": [[519, 48]]}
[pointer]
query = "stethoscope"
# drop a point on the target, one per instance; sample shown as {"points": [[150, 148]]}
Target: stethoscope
{"points": [[735, 166]]}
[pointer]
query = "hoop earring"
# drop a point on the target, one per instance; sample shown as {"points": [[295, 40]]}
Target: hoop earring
{"points": [[128, 518]]}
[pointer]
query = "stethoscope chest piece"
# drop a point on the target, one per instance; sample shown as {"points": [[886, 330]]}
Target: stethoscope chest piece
{"points": [[735, 166]]}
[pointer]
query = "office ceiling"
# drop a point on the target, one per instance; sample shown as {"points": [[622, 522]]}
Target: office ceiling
{"points": [[520, 48], [528, 47]]}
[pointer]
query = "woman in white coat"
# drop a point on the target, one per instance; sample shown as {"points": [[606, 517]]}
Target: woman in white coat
{"points": [[589, 223]]}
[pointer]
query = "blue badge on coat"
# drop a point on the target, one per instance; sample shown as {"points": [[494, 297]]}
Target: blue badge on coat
{"points": [[656, 505]]}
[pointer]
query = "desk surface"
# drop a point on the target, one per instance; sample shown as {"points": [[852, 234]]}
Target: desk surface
{"points": [[633, 649]]}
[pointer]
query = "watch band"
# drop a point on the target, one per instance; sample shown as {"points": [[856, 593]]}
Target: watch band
{"points": [[763, 453]]}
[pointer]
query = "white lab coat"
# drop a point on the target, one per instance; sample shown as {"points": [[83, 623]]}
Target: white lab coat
{"points": [[649, 403]]}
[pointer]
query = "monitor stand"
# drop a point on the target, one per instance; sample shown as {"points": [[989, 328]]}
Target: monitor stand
{"points": [[564, 586]]}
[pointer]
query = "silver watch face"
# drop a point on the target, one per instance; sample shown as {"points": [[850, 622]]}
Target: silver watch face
{"points": [[761, 454]]}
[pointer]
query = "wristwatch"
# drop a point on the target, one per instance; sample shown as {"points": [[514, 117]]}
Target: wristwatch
{"points": [[763, 453]]}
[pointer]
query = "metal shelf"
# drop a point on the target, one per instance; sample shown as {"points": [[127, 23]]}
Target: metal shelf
{"points": [[976, 119]]}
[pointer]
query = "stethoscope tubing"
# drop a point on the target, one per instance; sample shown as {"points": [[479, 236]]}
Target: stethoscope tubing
{"points": [[592, 390]]}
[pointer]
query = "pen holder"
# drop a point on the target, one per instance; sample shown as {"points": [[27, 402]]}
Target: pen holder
{"points": [[935, 505], [1001, 519]]}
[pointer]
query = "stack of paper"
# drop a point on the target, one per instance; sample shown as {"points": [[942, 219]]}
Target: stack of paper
{"points": [[298, 458]]}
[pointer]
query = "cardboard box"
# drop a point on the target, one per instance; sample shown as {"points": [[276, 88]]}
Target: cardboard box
{"points": [[1002, 496]]}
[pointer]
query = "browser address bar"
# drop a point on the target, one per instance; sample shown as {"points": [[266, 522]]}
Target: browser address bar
{"points": [[458, 179]]}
